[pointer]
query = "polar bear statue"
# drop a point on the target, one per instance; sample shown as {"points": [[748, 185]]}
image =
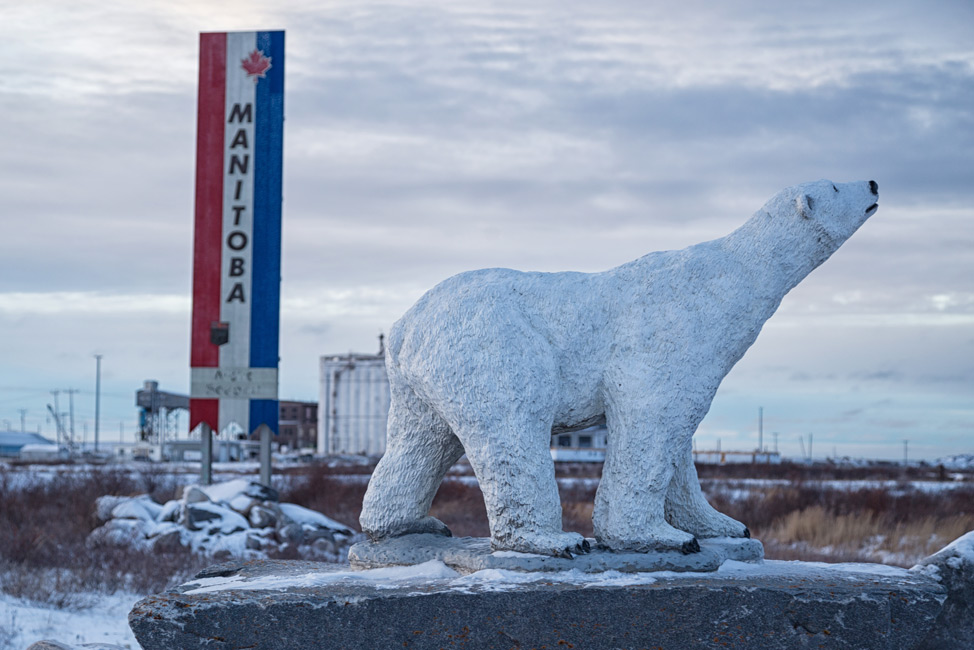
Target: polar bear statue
{"points": [[492, 362]]}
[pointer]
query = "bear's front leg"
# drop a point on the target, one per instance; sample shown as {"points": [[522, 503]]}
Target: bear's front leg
{"points": [[687, 508], [639, 466]]}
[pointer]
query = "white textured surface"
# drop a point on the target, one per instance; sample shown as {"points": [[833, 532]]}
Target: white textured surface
{"points": [[491, 362], [437, 574]]}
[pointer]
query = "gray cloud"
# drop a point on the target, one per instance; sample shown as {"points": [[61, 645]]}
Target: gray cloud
{"points": [[426, 139]]}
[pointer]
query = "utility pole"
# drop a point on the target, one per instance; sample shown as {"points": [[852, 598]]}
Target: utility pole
{"points": [[775, 434], [905, 456], [760, 428], [809, 447], [97, 395], [23, 420], [55, 411], [71, 392]]}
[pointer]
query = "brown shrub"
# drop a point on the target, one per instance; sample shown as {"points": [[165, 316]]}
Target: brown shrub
{"points": [[43, 528], [460, 505], [319, 489]]}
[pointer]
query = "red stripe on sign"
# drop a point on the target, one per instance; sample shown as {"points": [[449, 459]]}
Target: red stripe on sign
{"points": [[209, 201], [204, 410]]}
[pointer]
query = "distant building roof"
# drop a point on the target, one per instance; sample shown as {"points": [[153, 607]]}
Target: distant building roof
{"points": [[12, 441], [21, 439]]}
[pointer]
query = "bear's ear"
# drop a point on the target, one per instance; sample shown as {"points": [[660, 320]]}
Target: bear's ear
{"points": [[804, 205]]}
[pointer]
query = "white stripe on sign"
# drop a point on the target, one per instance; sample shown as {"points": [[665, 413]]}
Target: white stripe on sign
{"points": [[236, 384], [238, 219]]}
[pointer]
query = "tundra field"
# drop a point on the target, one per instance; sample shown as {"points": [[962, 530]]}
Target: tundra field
{"points": [[880, 513]]}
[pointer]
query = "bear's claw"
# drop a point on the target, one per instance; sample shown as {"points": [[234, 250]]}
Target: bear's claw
{"points": [[693, 546], [747, 533]]}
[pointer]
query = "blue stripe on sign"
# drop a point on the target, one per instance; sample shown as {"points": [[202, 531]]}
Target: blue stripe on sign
{"points": [[264, 411], [268, 152]]}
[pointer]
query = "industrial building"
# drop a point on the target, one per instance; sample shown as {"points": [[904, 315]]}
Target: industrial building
{"points": [[11, 442], [718, 457], [353, 404], [297, 425]]}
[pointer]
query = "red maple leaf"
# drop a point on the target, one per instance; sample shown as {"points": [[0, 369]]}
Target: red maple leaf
{"points": [[257, 65]]}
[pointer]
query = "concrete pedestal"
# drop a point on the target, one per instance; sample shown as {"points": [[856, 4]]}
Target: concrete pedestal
{"points": [[469, 554], [787, 605]]}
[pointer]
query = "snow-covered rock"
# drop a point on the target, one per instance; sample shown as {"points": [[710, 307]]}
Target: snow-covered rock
{"points": [[121, 532], [106, 504], [140, 507], [953, 567], [214, 519], [958, 462], [239, 518], [312, 519], [262, 517]]}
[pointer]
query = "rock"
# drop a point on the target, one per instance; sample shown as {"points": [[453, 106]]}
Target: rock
{"points": [[312, 534], [311, 518], [120, 532], [228, 490], [291, 533], [168, 541], [104, 506], [254, 542], [953, 567], [194, 494], [170, 511], [140, 507], [325, 546], [214, 518], [760, 607], [261, 492], [262, 517], [242, 504]]}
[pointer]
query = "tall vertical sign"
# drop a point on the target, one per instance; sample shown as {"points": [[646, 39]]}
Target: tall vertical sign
{"points": [[237, 244]]}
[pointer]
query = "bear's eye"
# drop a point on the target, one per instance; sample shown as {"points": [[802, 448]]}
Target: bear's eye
{"points": [[835, 188]]}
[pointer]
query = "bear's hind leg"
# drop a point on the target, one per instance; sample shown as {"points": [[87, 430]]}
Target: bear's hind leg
{"points": [[520, 492], [687, 509], [421, 448]]}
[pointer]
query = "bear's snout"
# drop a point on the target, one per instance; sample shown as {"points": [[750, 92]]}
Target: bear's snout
{"points": [[874, 187]]}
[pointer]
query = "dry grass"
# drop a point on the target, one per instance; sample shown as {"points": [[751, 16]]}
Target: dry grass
{"points": [[43, 529], [325, 492], [866, 536]]}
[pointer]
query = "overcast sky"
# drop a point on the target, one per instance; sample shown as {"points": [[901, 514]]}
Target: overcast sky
{"points": [[427, 138]]}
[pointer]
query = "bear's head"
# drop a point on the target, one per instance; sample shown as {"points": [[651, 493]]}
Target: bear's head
{"points": [[825, 212]]}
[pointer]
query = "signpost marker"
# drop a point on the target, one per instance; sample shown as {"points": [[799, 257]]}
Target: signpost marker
{"points": [[237, 243]]}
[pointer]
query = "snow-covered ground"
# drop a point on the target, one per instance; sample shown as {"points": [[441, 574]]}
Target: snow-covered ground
{"points": [[435, 573], [105, 621]]}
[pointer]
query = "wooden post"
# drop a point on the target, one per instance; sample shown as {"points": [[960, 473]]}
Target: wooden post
{"points": [[206, 454]]}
